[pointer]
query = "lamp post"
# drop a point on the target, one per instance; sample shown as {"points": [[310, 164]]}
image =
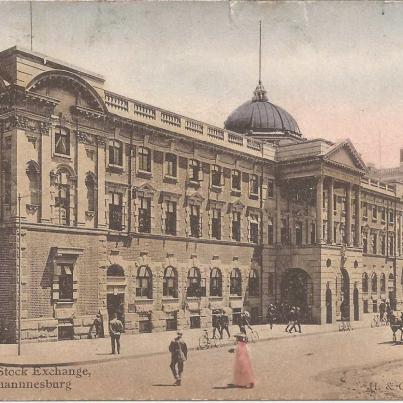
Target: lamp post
{"points": [[19, 274]]}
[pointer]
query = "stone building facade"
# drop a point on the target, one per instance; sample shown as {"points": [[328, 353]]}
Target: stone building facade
{"points": [[129, 208]]}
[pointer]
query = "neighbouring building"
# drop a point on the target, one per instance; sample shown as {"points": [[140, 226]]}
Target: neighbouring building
{"points": [[125, 207]]}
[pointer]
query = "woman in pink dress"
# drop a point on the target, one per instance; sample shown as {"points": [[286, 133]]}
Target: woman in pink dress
{"points": [[243, 372]]}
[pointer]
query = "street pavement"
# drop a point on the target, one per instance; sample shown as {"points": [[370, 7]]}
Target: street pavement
{"points": [[85, 351], [324, 365]]}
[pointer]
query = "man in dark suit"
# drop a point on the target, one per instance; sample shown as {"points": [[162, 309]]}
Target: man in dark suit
{"points": [[115, 329], [179, 354]]}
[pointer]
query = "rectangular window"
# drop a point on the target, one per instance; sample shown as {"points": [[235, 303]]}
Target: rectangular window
{"points": [[195, 322], [364, 210], [298, 233], [270, 189], [171, 324], [62, 141], [236, 226], [324, 200], [194, 171], [374, 244], [115, 153], [391, 217], [334, 202], [383, 245], [236, 180], [144, 159], [365, 244], [313, 233], [270, 232], [65, 282], [216, 224], [254, 228], [253, 185], [216, 176], [144, 214], [375, 212], [195, 221], [391, 245], [383, 214], [115, 211], [171, 165], [170, 220]]}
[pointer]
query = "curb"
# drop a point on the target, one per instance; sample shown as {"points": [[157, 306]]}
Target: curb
{"points": [[134, 356]]}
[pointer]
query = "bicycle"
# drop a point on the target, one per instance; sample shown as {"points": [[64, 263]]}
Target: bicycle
{"points": [[205, 341], [252, 335]]}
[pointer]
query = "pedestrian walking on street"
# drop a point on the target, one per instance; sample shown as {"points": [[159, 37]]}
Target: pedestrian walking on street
{"points": [[271, 315], [179, 354], [115, 329], [243, 371], [224, 322], [297, 320], [98, 326], [291, 320], [243, 322], [216, 323]]}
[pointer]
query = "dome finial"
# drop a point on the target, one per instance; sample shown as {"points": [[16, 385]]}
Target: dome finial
{"points": [[260, 93]]}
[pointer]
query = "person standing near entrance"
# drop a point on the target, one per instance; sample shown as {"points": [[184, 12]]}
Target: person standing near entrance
{"points": [[179, 354], [115, 329], [224, 322]]}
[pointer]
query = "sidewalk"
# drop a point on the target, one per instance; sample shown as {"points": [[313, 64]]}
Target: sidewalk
{"points": [[79, 352]]}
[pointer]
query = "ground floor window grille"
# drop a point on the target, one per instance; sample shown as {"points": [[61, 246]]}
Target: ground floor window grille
{"points": [[65, 332], [171, 324], [195, 322], [145, 325]]}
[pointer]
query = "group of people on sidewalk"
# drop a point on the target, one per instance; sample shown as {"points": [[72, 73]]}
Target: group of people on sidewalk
{"points": [[289, 314], [220, 323]]}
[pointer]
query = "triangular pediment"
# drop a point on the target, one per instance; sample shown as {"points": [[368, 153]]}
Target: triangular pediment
{"points": [[344, 153], [237, 206], [196, 197]]}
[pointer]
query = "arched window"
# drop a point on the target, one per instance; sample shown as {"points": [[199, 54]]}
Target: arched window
{"points": [[215, 283], [194, 283], [90, 185], [235, 282], [365, 282], [374, 282], [64, 209], [382, 282], [33, 173], [253, 283], [144, 283], [170, 283], [115, 271]]}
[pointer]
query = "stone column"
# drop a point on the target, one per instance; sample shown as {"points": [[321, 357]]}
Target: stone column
{"points": [[400, 234], [278, 214], [357, 241], [101, 182], [348, 214], [81, 188], [330, 192], [319, 210], [45, 157]]}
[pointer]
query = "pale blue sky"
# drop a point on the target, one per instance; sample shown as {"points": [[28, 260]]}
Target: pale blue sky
{"points": [[336, 67]]}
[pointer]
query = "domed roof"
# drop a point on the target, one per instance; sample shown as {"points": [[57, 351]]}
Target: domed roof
{"points": [[260, 115]]}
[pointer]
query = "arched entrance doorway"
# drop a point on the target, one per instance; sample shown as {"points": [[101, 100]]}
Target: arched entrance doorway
{"points": [[328, 304], [343, 295], [296, 290], [356, 304], [115, 298]]}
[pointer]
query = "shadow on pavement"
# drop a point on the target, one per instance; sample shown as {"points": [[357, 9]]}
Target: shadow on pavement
{"points": [[229, 386], [393, 343], [165, 384]]}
